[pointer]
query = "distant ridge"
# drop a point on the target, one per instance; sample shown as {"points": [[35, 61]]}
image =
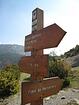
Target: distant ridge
{"points": [[10, 54]]}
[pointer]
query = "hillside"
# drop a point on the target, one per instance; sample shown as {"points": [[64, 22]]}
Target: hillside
{"points": [[72, 56], [74, 60], [72, 52], [10, 54]]}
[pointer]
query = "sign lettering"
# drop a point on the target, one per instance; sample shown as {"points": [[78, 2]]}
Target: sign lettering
{"points": [[32, 91], [48, 37], [34, 64]]}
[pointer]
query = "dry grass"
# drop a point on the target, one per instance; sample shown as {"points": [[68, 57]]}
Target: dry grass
{"points": [[74, 77]]}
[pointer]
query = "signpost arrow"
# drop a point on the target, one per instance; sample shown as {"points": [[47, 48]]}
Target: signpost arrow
{"points": [[48, 37], [32, 91], [34, 64]]}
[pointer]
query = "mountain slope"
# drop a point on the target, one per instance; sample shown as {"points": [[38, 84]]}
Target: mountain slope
{"points": [[72, 52], [74, 60], [72, 56], [10, 54]]}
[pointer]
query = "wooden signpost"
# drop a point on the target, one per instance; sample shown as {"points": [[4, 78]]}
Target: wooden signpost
{"points": [[48, 37], [37, 64], [33, 91]]}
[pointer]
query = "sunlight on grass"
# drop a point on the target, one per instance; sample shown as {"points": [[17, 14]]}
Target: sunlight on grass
{"points": [[74, 77], [24, 76], [74, 84], [75, 68]]}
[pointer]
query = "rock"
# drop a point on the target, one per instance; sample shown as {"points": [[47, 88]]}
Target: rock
{"points": [[75, 90], [63, 97], [76, 100]]}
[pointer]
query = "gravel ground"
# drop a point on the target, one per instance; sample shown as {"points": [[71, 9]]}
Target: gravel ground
{"points": [[12, 100], [62, 98]]}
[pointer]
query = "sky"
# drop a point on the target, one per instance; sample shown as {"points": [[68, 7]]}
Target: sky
{"points": [[16, 20]]}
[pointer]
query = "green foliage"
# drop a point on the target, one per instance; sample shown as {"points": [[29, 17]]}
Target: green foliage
{"points": [[66, 83], [74, 77], [9, 80], [58, 67]]}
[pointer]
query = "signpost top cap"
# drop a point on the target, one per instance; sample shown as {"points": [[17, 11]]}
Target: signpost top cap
{"points": [[37, 9]]}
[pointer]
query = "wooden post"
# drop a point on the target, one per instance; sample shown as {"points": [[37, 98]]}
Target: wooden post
{"points": [[38, 102], [37, 77]]}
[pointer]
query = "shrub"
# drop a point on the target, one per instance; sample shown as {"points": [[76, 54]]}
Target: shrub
{"points": [[9, 80], [66, 83], [58, 67]]}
